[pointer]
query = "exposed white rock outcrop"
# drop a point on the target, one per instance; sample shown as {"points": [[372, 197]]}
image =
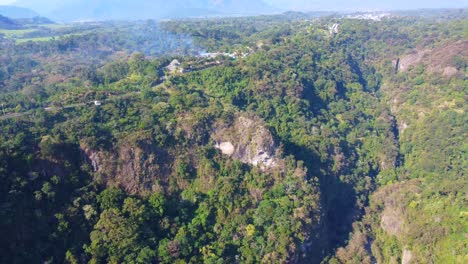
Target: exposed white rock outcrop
{"points": [[406, 257], [226, 148], [334, 29], [247, 139]]}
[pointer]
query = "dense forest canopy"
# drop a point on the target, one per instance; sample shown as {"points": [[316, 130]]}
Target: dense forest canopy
{"points": [[292, 138]]}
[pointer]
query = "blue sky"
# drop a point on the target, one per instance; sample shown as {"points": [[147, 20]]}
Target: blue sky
{"points": [[304, 5]]}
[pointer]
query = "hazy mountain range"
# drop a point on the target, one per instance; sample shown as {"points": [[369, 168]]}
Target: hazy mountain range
{"points": [[7, 23], [81, 10], [75, 10], [17, 12]]}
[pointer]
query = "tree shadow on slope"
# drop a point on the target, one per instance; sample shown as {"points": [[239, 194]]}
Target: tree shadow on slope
{"points": [[338, 201]]}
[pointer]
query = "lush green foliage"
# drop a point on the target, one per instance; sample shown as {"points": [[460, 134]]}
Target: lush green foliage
{"points": [[138, 179]]}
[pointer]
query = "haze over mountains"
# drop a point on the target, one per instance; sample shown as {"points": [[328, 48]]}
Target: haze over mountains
{"points": [[17, 12], [74, 10], [83, 10]]}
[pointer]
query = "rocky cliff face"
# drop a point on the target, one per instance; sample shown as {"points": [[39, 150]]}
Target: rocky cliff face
{"points": [[248, 140], [441, 60], [136, 165]]}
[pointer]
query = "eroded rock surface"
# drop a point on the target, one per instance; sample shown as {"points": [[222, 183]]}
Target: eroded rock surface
{"points": [[137, 166], [248, 140], [440, 60], [406, 257]]}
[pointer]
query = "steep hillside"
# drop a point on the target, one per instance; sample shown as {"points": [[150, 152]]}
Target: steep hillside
{"points": [[433, 136], [418, 215]]}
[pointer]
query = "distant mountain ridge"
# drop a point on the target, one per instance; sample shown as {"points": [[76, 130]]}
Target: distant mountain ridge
{"points": [[7, 23], [17, 12], [82, 10]]}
